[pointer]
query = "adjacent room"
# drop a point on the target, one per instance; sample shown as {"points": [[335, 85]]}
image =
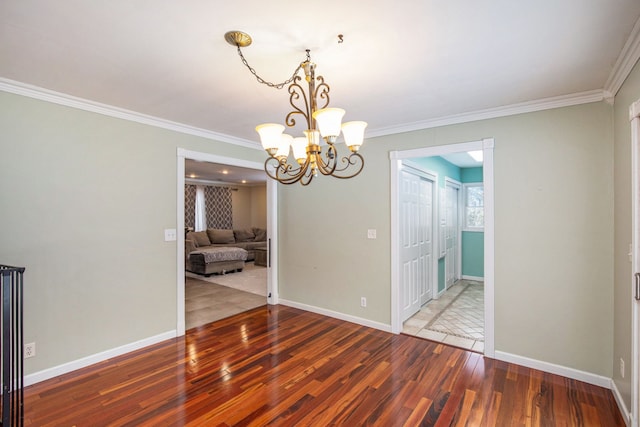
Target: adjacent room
{"points": [[225, 209], [451, 217]]}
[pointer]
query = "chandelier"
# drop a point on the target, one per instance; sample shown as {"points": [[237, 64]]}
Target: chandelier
{"points": [[322, 124]]}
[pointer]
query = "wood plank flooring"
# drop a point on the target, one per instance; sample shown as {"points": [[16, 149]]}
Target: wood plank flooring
{"points": [[280, 366]]}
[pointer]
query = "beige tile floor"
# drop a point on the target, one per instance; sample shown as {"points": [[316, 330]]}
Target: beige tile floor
{"points": [[207, 302], [456, 318]]}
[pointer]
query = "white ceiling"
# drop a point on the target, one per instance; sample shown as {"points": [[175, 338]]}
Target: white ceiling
{"points": [[401, 63], [221, 174]]}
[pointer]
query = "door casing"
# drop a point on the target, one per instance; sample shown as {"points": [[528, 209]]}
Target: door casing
{"points": [[396, 158]]}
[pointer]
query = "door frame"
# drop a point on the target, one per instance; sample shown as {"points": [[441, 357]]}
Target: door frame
{"points": [[634, 117], [396, 158], [272, 227], [417, 170]]}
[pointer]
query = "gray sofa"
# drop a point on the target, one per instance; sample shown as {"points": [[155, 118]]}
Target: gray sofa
{"points": [[195, 242]]}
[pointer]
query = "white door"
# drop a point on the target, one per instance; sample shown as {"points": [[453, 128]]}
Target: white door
{"points": [[451, 233], [426, 240], [416, 241]]}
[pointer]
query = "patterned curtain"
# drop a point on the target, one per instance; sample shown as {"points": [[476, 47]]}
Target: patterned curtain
{"points": [[189, 205], [218, 206]]}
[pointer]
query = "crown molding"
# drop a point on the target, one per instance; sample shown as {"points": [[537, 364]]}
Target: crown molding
{"points": [[36, 92], [492, 113], [24, 89], [628, 57]]}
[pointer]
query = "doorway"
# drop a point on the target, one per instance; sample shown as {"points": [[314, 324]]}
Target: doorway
{"points": [[272, 231], [397, 159]]}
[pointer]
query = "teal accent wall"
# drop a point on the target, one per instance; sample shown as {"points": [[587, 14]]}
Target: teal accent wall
{"points": [[472, 253], [442, 167], [471, 175]]}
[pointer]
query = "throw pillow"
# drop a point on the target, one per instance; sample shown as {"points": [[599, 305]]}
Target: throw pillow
{"points": [[201, 238], [221, 236], [261, 234], [244, 235]]}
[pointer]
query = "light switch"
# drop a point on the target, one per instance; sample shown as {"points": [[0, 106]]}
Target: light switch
{"points": [[371, 233], [169, 234]]}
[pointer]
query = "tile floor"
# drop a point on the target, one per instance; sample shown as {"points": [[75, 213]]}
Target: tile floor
{"points": [[456, 318], [207, 302]]}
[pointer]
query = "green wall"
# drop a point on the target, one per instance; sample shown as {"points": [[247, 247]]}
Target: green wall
{"points": [[86, 198], [85, 201], [548, 214], [627, 95]]}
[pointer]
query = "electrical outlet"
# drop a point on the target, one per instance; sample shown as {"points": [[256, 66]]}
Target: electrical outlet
{"points": [[29, 350], [622, 367], [363, 301]]}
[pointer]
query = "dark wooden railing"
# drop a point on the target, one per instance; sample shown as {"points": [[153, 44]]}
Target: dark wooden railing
{"points": [[12, 369]]}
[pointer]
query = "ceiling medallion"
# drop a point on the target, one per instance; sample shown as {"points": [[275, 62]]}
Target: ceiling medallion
{"points": [[322, 123]]}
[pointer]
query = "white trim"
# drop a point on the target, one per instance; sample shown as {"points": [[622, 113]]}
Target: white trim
{"points": [[272, 239], [628, 57], [395, 157], [24, 89], [476, 278], [337, 315], [552, 368], [180, 264], [635, 258], [272, 229], [492, 113], [55, 371], [626, 415], [396, 313], [489, 247], [31, 91]]}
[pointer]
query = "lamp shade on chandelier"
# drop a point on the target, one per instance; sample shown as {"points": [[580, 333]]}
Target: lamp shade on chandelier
{"points": [[315, 152]]}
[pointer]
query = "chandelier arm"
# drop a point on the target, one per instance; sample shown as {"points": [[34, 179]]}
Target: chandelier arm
{"points": [[328, 167], [263, 81], [350, 161], [308, 181], [285, 173], [295, 93], [322, 91]]}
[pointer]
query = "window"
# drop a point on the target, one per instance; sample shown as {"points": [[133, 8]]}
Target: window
{"points": [[473, 195]]}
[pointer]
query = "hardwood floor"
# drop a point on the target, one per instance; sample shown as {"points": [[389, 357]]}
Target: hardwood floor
{"points": [[282, 366]]}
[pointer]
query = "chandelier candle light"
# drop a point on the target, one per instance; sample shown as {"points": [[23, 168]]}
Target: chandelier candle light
{"points": [[322, 123]]}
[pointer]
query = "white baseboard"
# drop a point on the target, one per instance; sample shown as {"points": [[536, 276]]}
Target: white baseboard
{"points": [[626, 415], [552, 368], [476, 278], [55, 371], [337, 315]]}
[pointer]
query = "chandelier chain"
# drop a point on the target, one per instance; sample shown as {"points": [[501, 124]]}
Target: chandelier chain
{"points": [[268, 83]]}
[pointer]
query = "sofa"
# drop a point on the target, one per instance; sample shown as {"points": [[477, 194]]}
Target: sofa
{"points": [[197, 242]]}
